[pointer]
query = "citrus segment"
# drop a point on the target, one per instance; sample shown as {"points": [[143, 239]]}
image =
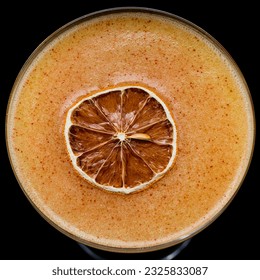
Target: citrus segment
{"points": [[133, 101], [90, 162], [137, 170], [110, 105], [151, 113], [110, 173], [83, 140], [121, 140], [89, 116], [149, 152], [160, 133]]}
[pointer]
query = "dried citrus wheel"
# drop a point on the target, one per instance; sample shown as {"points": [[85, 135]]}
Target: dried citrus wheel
{"points": [[121, 140]]}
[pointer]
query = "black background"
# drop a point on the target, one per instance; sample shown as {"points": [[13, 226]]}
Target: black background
{"points": [[23, 233]]}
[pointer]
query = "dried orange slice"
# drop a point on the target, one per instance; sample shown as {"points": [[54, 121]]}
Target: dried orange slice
{"points": [[121, 140]]}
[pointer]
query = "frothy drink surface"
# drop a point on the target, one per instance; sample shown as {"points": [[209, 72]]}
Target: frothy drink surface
{"points": [[203, 92]]}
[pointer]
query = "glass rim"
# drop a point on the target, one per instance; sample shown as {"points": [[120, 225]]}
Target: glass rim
{"points": [[109, 11]]}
